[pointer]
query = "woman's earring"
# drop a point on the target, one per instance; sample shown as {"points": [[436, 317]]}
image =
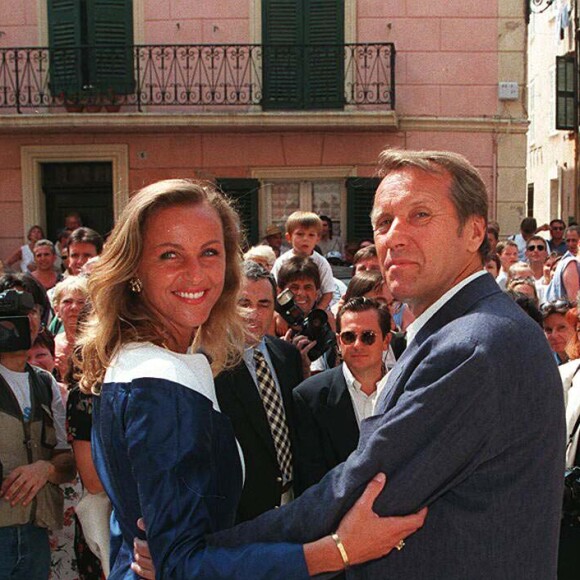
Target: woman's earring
{"points": [[136, 285]]}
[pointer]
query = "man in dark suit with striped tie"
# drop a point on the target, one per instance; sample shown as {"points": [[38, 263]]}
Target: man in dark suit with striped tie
{"points": [[257, 396]]}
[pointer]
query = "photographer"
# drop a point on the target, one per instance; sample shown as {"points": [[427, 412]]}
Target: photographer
{"points": [[33, 464], [299, 320]]}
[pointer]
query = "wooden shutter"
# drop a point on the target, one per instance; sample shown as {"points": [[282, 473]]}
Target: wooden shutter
{"points": [[566, 117], [360, 193], [324, 55], [244, 193], [64, 36], [282, 39], [110, 32]]}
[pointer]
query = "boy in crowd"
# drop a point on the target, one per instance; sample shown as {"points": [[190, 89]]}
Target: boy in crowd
{"points": [[303, 232]]}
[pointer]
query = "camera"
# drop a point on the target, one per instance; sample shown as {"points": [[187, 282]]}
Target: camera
{"points": [[314, 326], [14, 323]]}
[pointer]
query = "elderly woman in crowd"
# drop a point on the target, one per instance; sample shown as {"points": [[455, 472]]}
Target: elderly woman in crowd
{"points": [[524, 285], [165, 320], [70, 297], [557, 327], [263, 255]]}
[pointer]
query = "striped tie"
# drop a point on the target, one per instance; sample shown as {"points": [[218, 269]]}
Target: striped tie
{"points": [[274, 408]]}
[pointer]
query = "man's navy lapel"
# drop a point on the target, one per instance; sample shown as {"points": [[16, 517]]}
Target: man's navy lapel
{"points": [[340, 407], [463, 301]]}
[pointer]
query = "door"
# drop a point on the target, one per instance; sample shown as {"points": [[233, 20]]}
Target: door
{"points": [[86, 188]]}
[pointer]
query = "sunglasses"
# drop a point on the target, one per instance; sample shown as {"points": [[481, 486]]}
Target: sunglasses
{"points": [[539, 247], [557, 228], [556, 307], [569, 240], [367, 337]]}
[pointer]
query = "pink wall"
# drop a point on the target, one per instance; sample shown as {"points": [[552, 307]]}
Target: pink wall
{"points": [[160, 156]]}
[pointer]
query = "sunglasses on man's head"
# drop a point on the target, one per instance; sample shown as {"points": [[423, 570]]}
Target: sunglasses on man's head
{"points": [[539, 247], [367, 337]]}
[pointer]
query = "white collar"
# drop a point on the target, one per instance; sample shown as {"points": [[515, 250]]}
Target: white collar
{"points": [[414, 328], [352, 383]]}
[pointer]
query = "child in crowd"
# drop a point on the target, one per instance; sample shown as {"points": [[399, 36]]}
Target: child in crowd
{"points": [[303, 232]]}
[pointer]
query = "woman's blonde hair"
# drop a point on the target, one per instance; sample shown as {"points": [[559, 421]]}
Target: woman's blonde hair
{"points": [[120, 315]]}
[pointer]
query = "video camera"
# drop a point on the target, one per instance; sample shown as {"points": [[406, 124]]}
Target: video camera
{"points": [[314, 326], [14, 324]]}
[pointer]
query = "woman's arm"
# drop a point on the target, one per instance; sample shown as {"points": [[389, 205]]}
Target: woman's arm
{"points": [[362, 535], [86, 467]]}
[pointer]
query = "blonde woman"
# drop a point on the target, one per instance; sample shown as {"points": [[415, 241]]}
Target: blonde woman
{"points": [[165, 320], [69, 299]]}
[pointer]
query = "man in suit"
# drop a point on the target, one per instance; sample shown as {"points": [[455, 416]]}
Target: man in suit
{"points": [[240, 397], [331, 405], [471, 420]]}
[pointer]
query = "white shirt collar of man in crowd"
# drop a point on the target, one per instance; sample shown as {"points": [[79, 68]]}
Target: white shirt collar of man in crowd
{"points": [[362, 403], [414, 328]]}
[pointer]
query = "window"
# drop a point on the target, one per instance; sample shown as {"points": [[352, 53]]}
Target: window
{"points": [[244, 193], [360, 198], [323, 197], [91, 47], [530, 200], [303, 58], [566, 118]]}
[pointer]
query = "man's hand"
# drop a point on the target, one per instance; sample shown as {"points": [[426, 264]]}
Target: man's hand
{"points": [[304, 345], [142, 563], [24, 482]]}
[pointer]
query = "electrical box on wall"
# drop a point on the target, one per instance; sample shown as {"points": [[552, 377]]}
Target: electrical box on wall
{"points": [[508, 91]]}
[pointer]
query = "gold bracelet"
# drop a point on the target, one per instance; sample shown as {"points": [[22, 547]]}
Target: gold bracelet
{"points": [[341, 549]]}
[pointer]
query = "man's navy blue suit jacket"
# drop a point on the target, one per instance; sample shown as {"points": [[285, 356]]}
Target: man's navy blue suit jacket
{"points": [[471, 424]]}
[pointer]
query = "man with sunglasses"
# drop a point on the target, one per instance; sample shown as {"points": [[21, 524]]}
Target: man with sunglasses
{"points": [[331, 405], [471, 419]]}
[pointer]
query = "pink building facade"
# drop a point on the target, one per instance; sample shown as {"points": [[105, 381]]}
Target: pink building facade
{"points": [[281, 128]]}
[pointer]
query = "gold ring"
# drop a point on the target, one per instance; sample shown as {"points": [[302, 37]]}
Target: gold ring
{"points": [[400, 545]]}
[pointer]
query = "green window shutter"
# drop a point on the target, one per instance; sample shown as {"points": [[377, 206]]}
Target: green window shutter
{"points": [[244, 193], [64, 36], [566, 115], [324, 55], [360, 192], [282, 60], [110, 32]]}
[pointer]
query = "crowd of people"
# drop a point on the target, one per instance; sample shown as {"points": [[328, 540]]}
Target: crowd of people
{"points": [[239, 413]]}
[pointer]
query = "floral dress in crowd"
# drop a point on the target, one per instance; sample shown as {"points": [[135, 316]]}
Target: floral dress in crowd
{"points": [[71, 557]]}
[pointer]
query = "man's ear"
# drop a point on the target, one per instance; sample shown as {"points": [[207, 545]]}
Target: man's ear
{"points": [[387, 341], [476, 231]]}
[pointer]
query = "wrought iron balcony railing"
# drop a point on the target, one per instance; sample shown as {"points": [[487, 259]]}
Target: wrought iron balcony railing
{"points": [[280, 77]]}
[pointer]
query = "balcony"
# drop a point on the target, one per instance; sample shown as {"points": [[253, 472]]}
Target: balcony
{"points": [[198, 78]]}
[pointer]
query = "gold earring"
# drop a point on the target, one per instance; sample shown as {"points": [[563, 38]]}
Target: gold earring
{"points": [[136, 285]]}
